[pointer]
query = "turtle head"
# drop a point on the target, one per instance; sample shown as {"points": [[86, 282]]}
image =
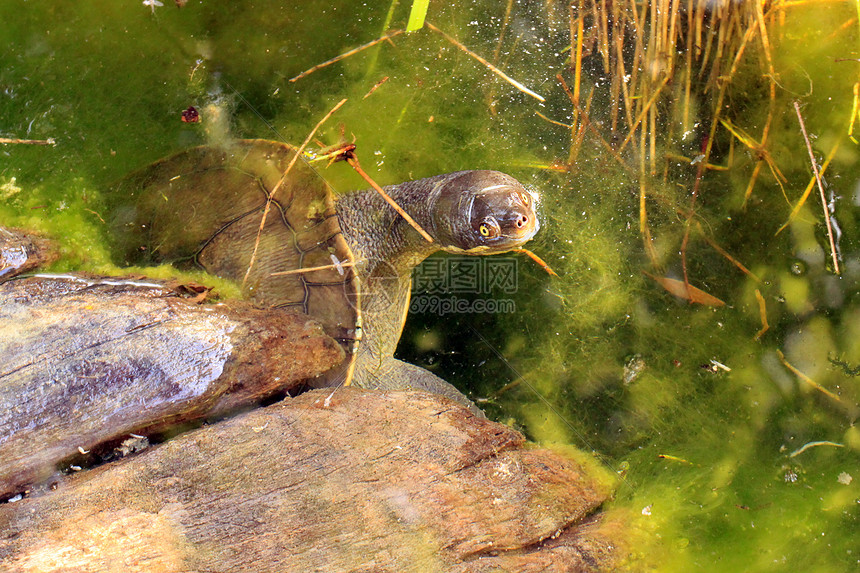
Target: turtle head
{"points": [[483, 212]]}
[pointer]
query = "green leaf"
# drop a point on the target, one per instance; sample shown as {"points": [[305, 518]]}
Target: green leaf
{"points": [[417, 15]]}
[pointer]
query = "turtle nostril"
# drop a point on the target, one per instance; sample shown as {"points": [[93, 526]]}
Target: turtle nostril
{"points": [[521, 221]]}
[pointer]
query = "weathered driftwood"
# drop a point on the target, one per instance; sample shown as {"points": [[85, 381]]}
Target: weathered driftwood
{"points": [[21, 252], [345, 481], [85, 361]]}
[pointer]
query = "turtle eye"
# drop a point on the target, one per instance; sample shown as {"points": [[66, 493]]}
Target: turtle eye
{"points": [[489, 228], [526, 199]]}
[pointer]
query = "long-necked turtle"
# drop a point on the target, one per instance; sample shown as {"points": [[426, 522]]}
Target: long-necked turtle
{"points": [[351, 256]]}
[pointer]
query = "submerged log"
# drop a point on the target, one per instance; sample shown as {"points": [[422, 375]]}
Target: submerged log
{"points": [[87, 360], [344, 480], [21, 252]]}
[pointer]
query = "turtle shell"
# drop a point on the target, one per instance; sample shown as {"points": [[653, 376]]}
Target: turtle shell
{"points": [[205, 206]]}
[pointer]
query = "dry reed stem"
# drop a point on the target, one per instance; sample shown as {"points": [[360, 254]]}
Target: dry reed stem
{"points": [[762, 311], [643, 113], [688, 75], [700, 170], [671, 48], [765, 156], [820, 189], [643, 213], [615, 90], [678, 157], [806, 378], [347, 54], [638, 52], [628, 104], [505, 22], [277, 187], [577, 23], [603, 37], [7, 141], [752, 182], [796, 209], [605, 144], [757, 148], [652, 140], [489, 66], [724, 86], [699, 20], [855, 107], [579, 136]]}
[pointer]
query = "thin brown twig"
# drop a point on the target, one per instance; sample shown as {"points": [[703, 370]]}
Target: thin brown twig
{"points": [[545, 118], [347, 54], [820, 189], [375, 87], [353, 162], [727, 256], [277, 186], [490, 66], [338, 266]]}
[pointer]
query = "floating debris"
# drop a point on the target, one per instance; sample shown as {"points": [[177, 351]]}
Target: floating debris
{"points": [[634, 367], [49, 141], [190, 115], [153, 4], [686, 291], [808, 445]]}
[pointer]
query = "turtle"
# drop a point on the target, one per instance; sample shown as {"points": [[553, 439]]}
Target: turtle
{"points": [[345, 260]]}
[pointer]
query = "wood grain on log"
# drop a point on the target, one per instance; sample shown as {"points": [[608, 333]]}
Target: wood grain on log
{"points": [[346, 481], [86, 361], [21, 252]]}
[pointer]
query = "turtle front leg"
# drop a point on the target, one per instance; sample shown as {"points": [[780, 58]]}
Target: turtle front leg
{"points": [[393, 374]]}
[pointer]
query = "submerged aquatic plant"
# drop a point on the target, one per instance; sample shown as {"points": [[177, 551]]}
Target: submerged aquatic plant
{"points": [[665, 142]]}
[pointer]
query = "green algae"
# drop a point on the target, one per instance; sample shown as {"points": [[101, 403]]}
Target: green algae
{"points": [[700, 416]]}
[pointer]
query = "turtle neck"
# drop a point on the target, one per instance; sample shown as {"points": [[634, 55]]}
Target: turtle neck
{"points": [[372, 227]]}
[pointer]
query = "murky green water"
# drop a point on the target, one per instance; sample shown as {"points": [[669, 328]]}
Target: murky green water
{"points": [[705, 422]]}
